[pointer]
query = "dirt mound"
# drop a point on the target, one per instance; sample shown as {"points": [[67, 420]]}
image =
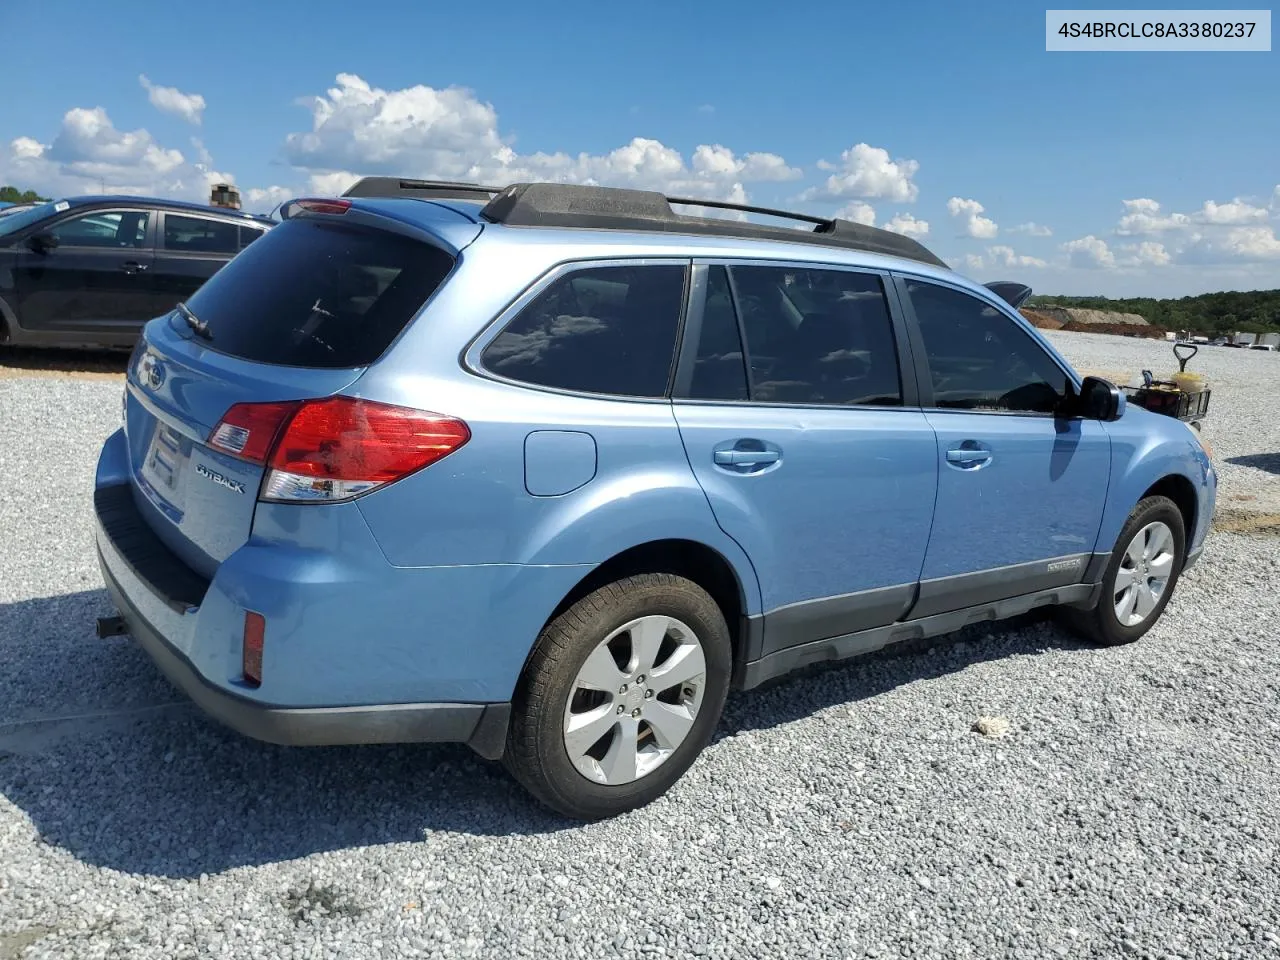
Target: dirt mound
{"points": [[1042, 320], [1117, 329], [1094, 318]]}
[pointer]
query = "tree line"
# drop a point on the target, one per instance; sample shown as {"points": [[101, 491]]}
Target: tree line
{"points": [[1210, 314], [10, 194]]}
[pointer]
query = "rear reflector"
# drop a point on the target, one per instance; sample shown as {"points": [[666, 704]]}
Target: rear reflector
{"points": [[255, 631], [336, 448]]}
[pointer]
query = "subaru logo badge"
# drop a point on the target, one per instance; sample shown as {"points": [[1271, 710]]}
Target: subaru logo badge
{"points": [[152, 371]]}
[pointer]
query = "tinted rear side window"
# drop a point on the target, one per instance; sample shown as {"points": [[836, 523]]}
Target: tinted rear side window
{"points": [[200, 235], [605, 330], [314, 293], [817, 336], [249, 234]]}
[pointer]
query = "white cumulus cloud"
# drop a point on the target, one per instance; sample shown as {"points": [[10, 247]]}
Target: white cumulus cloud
{"points": [[90, 155], [1003, 256], [1234, 213], [1089, 252], [421, 131], [1143, 217], [858, 212], [908, 225], [188, 106], [975, 225], [869, 173], [265, 199], [1032, 229], [1146, 254]]}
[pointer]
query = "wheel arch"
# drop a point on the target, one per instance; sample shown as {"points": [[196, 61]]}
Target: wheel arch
{"points": [[1182, 492], [706, 566]]}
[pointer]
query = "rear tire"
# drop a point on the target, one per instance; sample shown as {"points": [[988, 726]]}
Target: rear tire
{"points": [[621, 694], [1140, 577]]}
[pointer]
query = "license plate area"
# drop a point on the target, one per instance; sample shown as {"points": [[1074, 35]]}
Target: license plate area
{"points": [[164, 472]]}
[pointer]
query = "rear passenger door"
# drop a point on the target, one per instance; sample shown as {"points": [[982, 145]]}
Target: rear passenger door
{"points": [[192, 249], [802, 427]]}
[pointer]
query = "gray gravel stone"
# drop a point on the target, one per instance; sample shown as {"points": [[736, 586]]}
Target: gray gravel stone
{"points": [[851, 812]]}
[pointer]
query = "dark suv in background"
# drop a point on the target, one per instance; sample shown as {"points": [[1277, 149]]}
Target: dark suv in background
{"points": [[90, 271]]}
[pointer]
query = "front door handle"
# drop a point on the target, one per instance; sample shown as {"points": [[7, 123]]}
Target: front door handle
{"points": [[746, 458], [133, 266], [968, 456]]}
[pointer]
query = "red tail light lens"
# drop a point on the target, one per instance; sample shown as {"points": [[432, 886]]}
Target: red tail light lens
{"points": [[336, 448], [248, 429], [255, 632]]}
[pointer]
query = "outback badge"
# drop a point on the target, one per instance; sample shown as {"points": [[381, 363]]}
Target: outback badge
{"points": [[235, 486]]}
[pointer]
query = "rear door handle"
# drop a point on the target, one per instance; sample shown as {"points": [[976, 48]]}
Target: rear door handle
{"points": [[746, 458], [133, 266]]}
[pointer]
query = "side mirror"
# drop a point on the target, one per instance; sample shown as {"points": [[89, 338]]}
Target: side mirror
{"points": [[1101, 399], [42, 242]]}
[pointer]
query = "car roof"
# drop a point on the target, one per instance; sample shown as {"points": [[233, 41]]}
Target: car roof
{"points": [[595, 207], [568, 243], [163, 203]]}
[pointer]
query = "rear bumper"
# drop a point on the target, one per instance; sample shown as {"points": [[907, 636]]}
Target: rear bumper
{"points": [[481, 726]]}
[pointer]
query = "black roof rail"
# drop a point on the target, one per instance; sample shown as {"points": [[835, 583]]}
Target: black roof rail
{"points": [[574, 205], [422, 189], [618, 208]]}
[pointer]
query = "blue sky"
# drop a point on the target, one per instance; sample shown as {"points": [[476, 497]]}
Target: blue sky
{"points": [[1155, 174]]}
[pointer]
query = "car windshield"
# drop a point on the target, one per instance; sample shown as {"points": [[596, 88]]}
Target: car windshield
{"points": [[18, 221]]}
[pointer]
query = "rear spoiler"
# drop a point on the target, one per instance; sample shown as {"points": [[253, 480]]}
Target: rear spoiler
{"points": [[1014, 294]]}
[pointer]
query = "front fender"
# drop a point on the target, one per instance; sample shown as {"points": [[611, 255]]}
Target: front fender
{"points": [[1145, 449]]}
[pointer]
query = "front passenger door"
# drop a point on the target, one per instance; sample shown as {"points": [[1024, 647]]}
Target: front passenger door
{"points": [[1021, 487], [93, 283]]}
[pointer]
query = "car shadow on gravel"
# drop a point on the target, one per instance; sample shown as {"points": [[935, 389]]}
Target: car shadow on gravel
{"points": [[1268, 462], [814, 688], [156, 788]]}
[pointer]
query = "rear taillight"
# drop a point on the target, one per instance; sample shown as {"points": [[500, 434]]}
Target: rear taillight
{"points": [[336, 448], [255, 633], [248, 429]]}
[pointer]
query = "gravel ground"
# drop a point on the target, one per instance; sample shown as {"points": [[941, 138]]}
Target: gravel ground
{"points": [[1129, 810]]}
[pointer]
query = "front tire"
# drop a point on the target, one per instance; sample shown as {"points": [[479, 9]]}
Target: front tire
{"points": [[621, 694], [1140, 577]]}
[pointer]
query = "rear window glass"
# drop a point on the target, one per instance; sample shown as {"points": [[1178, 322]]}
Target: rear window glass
{"points": [[608, 330], [314, 293]]}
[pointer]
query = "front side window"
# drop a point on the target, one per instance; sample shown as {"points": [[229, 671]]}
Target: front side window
{"points": [[200, 235], [813, 336], [979, 359], [609, 330], [118, 229]]}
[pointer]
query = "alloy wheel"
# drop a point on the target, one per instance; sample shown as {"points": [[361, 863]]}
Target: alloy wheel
{"points": [[1144, 572], [634, 700]]}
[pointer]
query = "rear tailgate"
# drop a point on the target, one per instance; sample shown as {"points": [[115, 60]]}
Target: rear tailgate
{"points": [[198, 500], [299, 314]]}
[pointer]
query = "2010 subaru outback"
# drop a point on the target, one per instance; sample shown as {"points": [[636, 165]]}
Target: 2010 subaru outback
{"points": [[548, 469]]}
